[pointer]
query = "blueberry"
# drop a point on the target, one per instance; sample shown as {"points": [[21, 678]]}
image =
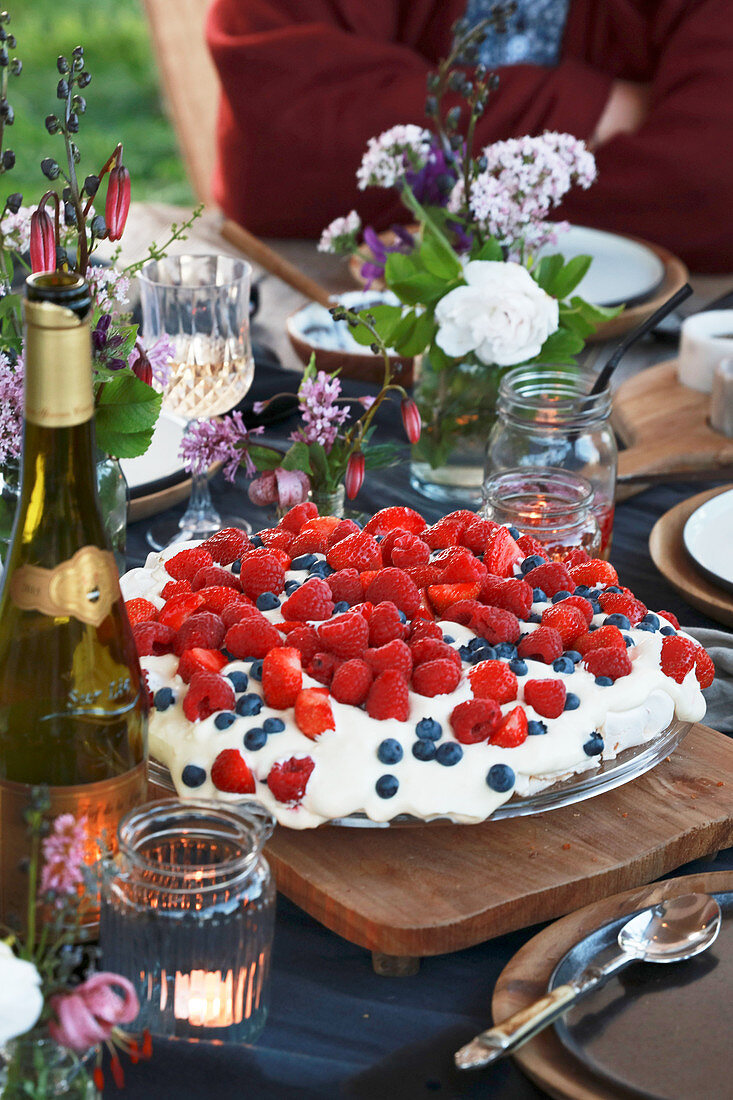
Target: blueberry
{"points": [[267, 601], [531, 563], [668, 631], [539, 595], [448, 639], [387, 786], [514, 532], [604, 681], [476, 643], [651, 620], [534, 617], [291, 586], [572, 701], [256, 541], [248, 705], [518, 667], [163, 699], [506, 650], [239, 680], [535, 728], [561, 595], [193, 776], [402, 616], [500, 778], [628, 640], [340, 607], [390, 751], [466, 654], [224, 720], [273, 725], [594, 745], [612, 588], [621, 621], [428, 729], [563, 664], [254, 739], [582, 590], [424, 750], [646, 626], [255, 669], [236, 566], [321, 569], [449, 754], [305, 561], [592, 627], [574, 656], [229, 656], [597, 609]]}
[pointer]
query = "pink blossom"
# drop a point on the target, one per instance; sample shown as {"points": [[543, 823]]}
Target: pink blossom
{"points": [[87, 1014], [11, 408], [354, 474], [63, 855], [286, 488], [223, 440], [322, 417], [411, 419]]}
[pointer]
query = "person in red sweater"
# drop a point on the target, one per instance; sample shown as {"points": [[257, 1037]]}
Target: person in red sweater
{"points": [[648, 83]]}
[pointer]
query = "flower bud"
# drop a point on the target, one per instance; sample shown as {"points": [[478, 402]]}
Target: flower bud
{"points": [[91, 183], [72, 123], [50, 168], [16, 66], [118, 201], [43, 242], [69, 214], [141, 365], [62, 89], [354, 474], [84, 79], [4, 59], [14, 202], [62, 64], [411, 419], [8, 159]]}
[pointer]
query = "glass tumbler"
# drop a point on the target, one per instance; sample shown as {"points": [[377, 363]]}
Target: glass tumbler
{"points": [[546, 417], [553, 506], [188, 915]]}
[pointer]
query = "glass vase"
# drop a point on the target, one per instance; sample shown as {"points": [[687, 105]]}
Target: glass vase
{"points": [[9, 494], [329, 502], [37, 1068], [113, 494], [458, 408]]}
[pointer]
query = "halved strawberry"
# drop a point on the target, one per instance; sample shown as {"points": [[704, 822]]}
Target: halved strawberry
{"points": [[502, 553], [443, 596], [200, 660], [178, 609]]}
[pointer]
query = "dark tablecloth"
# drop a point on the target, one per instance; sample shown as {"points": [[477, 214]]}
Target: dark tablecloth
{"points": [[335, 1028]]}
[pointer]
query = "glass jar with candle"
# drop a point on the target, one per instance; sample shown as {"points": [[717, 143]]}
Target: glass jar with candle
{"points": [[548, 418], [554, 506], [188, 914]]}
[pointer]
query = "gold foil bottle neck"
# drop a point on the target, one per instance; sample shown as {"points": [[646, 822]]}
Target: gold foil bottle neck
{"points": [[58, 356]]}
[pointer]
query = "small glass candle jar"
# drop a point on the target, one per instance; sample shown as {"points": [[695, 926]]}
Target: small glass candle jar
{"points": [[546, 417], [188, 914], [553, 506]]}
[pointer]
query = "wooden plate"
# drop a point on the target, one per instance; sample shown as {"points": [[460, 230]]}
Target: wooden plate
{"points": [[526, 977], [671, 559]]}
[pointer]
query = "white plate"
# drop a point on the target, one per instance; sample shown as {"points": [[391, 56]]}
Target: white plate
{"points": [[160, 462], [708, 539], [622, 270]]}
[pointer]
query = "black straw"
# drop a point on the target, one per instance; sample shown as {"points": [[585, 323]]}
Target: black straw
{"points": [[631, 337]]}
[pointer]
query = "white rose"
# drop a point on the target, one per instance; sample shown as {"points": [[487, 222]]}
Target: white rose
{"points": [[502, 314], [21, 999]]}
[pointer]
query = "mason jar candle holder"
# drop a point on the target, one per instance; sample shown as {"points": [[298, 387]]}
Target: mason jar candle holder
{"points": [[553, 506], [188, 916]]}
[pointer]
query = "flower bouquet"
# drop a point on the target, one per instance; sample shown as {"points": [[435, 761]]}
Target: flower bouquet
{"points": [[475, 296]]}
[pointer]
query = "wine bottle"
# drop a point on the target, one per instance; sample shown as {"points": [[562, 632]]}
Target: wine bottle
{"points": [[73, 705]]}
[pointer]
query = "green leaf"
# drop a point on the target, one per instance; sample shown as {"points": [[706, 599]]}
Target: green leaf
{"points": [[574, 320], [264, 458], [595, 314], [385, 319], [568, 278], [560, 347], [490, 250], [421, 335], [546, 271], [401, 266], [318, 461], [297, 458], [438, 260], [381, 454], [126, 414]]}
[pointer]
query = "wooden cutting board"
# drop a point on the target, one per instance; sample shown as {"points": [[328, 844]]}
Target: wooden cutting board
{"points": [[403, 893]]}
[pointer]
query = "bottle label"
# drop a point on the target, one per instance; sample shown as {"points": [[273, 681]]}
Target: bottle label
{"points": [[85, 587], [58, 375]]}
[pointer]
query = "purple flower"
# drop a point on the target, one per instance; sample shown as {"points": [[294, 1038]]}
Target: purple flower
{"points": [[11, 408], [322, 417], [223, 440], [159, 356], [432, 183], [374, 268], [63, 854]]}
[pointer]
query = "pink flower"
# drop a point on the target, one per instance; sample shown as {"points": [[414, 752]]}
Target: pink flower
{"points": [[411, 419], [63, 854], [87, 1014], [286, 488], [354, 474], [43, 242]]}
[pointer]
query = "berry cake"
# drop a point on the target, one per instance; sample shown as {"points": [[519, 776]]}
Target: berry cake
{"points": [[397, 669]]}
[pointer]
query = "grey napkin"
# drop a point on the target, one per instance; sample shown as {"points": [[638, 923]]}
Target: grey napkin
{"points": [[719, 696]]}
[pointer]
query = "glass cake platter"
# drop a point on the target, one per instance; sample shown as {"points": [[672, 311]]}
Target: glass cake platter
{"points": [[612, 773]]}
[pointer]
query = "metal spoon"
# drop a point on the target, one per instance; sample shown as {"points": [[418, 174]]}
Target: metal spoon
{"points": [[675, 929]]}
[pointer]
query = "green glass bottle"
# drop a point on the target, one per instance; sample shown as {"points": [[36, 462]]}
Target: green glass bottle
{"points": [[73, 707]]}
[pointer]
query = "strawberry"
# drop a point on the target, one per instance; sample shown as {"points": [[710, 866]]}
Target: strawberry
{"points": [[704, 668], [366, 577], [207, 693], [185, 566], [395, 654], [204, 630], [395, 586], [531, 547], [552, 577], [543, 644], [141, 611], [298, 516], [443, 596], [671, 619], [616, 603], [153, 639], [346, 635], [305, 640], [475, 720], [314, 535], [568, 621], [512, 731], [612, 662], [345, 586], [218, 597], [495, 625], [288, 779], [389, 697], [351, 682], [274, 538], [406, 518], [311, 601], [282, 677], [226, 545], [251, 637], [174, 588], [261, 573], [200, 660], [459, 565], [593, 572], [678, 656], [212, 575], [425, 575], [433, 678], [313, 715], [360, 551], [448, 531], [546, 696], [178, 608], [600, 639], [511, 593], [385, 625], [322, 666], [501, 553], [433, 649], [476, 534], [493, 680], [230, 773], [576, 556]]}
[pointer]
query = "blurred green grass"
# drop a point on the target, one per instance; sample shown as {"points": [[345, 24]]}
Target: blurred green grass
{"points": [[123, 99]]}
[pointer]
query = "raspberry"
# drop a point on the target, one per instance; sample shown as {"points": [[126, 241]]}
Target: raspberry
{"points": [[235, 612], [364, 609], [207, 693], [282, 677], [616, 603], [433, 678], [351, 682], [217, 598], [443, 596], [314, 535], [531, 546], [200, 660], [546, 696], [341, 531], [178, 608], [313, 713], [322, 666], [226, 545], [460, 565], [153, 639], [501, 553], [298, 516], [672, 619], [212, 575], [360, 551], [433, 649], [475, 720], [395, 586], [593, 572], [406, 518], [230, 773], [508, 592], [543, 644], [305, 640], [288, 779], [274, 538], [424, 628], [602, 638], [704, 668], [141, 611], [394, 654], [407, 550], [568, 621], [512, 731], [495, 625], [584, 606], [185, 566], [493, 680], [462, 612], [576, 556], [261, 574], [174, 588], [345, 586], [389, 697], [268, 552], [612, 662], [476, 534], [448, 531], [311, 601], [346, 635], [551, 577], [204, 630], [424, 575], [251, 637], [385, 625], [678, 656]]}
